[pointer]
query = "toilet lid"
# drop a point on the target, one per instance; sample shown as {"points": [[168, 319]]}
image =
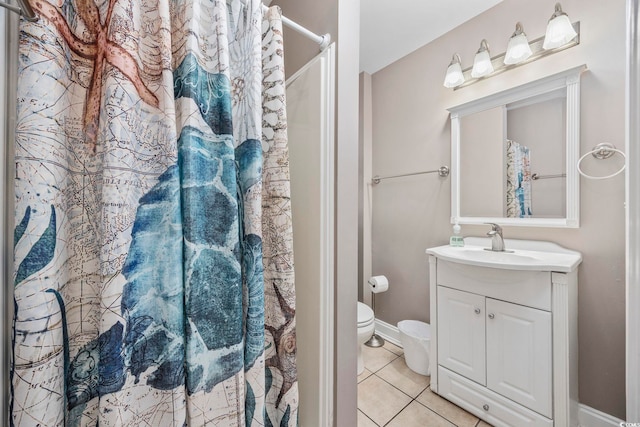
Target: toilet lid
{"points": [[365, 314]]}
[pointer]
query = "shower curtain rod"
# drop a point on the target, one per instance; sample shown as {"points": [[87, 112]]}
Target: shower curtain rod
{"points": [[26, 10], [323, 40]]}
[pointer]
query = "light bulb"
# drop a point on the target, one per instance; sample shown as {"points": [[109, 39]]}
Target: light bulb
{"points": [[559, 30], [518, 49], [454, 75], [482, 62]]}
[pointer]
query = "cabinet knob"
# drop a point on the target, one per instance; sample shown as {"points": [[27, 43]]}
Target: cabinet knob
{"points": [[491, 315], [477, 311], [485, 407]]}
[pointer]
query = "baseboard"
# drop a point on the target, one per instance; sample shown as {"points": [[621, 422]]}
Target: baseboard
{"points": [[388, 332], [589, 417]]}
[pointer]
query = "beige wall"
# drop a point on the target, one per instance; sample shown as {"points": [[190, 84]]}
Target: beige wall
{"points": [[545, 138], [481, 155], [411, 133], [320, 17], [347, 211]]}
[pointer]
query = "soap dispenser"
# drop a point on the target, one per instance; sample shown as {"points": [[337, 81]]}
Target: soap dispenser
{"points": [[456, 239]]}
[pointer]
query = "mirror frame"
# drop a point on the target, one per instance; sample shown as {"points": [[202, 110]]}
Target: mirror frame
{"points": [[570, 80]]}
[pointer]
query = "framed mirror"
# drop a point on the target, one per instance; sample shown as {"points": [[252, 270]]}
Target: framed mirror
{"points": [[514, 155]]}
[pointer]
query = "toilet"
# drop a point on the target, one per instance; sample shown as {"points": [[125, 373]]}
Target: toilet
{"points": [[366, 328]]}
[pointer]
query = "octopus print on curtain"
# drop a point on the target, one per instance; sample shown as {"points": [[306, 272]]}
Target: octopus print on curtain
{"points": [[139, 293]]}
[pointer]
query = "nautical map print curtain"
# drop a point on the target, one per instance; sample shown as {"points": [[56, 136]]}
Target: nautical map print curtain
{"points": [[277, 234], [139, 282], [518, 180]]}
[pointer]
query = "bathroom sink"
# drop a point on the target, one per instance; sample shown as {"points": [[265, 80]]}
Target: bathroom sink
{"points": [[520, 255], [509, 257]]}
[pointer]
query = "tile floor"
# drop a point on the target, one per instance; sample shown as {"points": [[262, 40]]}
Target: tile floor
{"points": [[391, 394]]}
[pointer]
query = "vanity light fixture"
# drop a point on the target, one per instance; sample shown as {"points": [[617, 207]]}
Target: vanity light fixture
{"points": [[561, 34], [482, 61], [454, 75], [518, 49], [559, 30]]}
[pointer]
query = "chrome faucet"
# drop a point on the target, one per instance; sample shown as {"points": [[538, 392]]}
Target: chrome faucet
{"points": [[497, 242]]}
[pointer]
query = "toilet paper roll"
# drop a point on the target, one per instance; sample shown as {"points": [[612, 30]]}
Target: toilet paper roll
{"points": [[378, 284]]}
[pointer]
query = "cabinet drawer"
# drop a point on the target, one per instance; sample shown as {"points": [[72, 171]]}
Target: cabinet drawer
{"points": [[491, 407], [529, 288]]}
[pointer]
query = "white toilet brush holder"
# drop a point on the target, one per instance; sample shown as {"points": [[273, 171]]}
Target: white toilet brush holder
{"points": [[375, 340]]}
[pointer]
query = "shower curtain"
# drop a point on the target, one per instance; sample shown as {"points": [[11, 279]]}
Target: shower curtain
{"points": [[518, 180], [139, 284]]}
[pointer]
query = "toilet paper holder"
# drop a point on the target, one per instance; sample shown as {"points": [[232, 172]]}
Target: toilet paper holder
{"points": [[375, 340]]}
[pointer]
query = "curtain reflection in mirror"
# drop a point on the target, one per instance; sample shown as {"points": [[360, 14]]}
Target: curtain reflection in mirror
{"points": [[518, 180]]}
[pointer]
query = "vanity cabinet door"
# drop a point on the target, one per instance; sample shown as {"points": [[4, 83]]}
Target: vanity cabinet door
{"points": [[461, 333], [519, 362]]}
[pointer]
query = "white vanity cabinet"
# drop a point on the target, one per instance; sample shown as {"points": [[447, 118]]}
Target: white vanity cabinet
{"points": [[503, 346], [504, 339]]}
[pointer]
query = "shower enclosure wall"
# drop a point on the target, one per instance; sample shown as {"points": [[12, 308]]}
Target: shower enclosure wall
{"points": [[8, 68], [310, 115]]}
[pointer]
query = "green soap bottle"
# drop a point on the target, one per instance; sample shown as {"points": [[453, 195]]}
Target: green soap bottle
{"points": [[456, 239]]}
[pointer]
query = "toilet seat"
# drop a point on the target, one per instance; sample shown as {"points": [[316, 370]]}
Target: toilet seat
{"points": [[365, 315], [366, 328]]}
